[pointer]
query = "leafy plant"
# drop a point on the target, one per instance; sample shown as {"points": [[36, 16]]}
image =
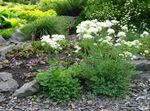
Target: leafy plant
{"points": [[58, 84], [64, 7], [133, 13], [31, 15], [45, 26], [38, 46], [6, 33], [105, 72], [6, 20], [145, 48]]}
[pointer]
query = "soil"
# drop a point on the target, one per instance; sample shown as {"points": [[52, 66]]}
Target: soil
{"points": [[22, 74]]}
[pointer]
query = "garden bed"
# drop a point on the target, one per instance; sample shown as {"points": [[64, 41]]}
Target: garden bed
{"points": [[74, 55]]}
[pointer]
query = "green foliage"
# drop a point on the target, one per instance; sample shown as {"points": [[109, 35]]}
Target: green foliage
{"points": [[27, 51], [7, 20], [58, 84], [105, 72], [25, 1], [37, 46], [135, 13], [6, 33], [20, 52], [31, 15], [64, 7], [101, 10], [145, 48], [45, 26], [130, 36]]}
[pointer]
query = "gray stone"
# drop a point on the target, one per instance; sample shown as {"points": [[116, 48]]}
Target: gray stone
{"points": [[2, 41], [7, 83], [17, 36], [1, 66], [142, 65], [145, 76], [28, 89], [4, 50]]}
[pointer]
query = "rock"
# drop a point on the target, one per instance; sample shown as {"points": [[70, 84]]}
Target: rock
{"points": [[1, 66], [2, 41], [27, 89], [142, 65], [145, 76], [17, 36], [7, 83], [4, 50]]}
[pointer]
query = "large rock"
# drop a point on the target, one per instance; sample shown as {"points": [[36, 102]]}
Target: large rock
{"points": [[5, 49], [17, 36], [2, 41], [142, 65], [143, 75], [28, 89], [7, 83]]}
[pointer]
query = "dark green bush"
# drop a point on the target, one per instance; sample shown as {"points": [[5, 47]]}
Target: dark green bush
{"points": [[58, 84], [45, 26], [135, 12], [64, 7]]}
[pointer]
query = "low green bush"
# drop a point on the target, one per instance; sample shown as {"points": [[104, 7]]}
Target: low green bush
{"points": [[105, 72], [6, 33], [58, 84], [45, 26]]}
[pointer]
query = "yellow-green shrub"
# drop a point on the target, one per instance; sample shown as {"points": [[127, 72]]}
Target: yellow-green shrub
{"points": [[35, 14]]}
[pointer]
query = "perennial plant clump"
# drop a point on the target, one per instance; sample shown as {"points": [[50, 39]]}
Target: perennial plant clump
{"points": [[53, 41], [105, 33]]}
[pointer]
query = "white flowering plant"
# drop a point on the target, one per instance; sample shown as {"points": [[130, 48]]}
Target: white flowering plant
{"points": [[54, 41], [100, 33], [145, 48]]}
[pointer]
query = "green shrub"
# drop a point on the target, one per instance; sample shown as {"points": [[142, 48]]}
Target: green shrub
{"points": [[145, 48], [7, 19], [6, 33], [58, 84], [31, 15], [64, 7], [37, 47], [45, 26], [105, 72], [135, 13]]}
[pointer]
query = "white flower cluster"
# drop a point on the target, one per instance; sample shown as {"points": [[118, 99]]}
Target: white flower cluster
{"points": [[94, 29], [144, 34], [127, 54], [91, 28], [53, 41], [77, 48], [107, 40], [134, 43]]}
